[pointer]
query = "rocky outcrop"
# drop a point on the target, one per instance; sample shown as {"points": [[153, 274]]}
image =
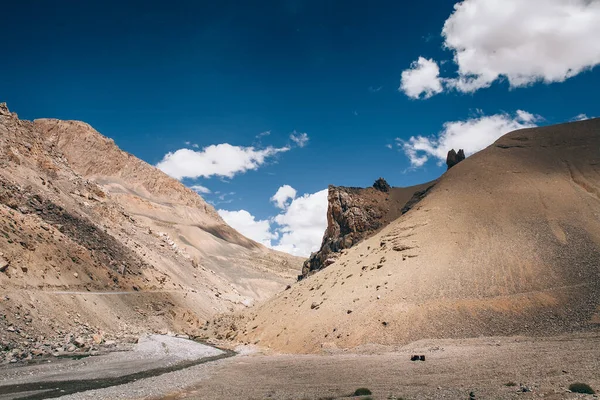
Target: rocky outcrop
{"points": [[354, 214], [4, 109], [382, 185], [454, 158]]}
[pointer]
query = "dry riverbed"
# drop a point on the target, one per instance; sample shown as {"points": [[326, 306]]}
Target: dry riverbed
{"points": [[153, 355], [481, 368]]}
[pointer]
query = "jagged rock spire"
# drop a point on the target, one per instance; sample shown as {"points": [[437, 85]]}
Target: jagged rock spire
{"points": [[454, 158]]}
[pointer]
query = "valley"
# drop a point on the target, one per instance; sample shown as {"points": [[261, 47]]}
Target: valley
{"points": [[300, 200], [491, 272]]}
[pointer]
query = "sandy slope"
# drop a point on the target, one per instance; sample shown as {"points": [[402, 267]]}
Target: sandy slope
{"points": [[507, 242]]}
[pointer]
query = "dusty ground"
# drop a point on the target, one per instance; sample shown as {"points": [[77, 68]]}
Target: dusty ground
{"points": [[453, 369], [491, 368]]}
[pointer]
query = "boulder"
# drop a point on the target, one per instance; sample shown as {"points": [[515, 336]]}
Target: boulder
{"points": [[4, 109], [97, 338], [3, 264]]}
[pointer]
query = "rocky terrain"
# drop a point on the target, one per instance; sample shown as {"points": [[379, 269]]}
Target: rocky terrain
{"points": [[96, 246], [499, 368], [354, 214], [507, 242]]}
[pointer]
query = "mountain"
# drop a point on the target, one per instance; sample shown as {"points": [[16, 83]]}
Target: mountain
{"points": [[98, 242], [507, 242]]}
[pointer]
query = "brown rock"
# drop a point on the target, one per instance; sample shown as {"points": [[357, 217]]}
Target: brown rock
{"points": [[4, 109], [97, 338], [3, 264], [454, 158], [381, 185]]}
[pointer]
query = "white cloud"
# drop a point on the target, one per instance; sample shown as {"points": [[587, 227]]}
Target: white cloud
{"points": [[200, 189], [246, 224], [222, 196], [521, 41], [263, 134], [215, 160], [526, 117], [471, 135], [580, 117], [297, 230], [423, 78], [284, 193], [301, 139], [195, 145], [303, 224]]}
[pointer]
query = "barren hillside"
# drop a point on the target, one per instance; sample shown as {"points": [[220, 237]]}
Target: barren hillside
{"points": [[96, 241], [507, 242]]}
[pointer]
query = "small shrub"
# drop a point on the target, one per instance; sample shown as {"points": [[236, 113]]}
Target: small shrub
{"points": [[511, 383], [362, 392], [579, 387]]}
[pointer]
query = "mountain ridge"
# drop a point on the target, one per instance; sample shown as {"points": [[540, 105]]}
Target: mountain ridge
{"points": [[94, 241], [506, 243]]}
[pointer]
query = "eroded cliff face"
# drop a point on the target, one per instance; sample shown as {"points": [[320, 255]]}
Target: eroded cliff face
{"points": [[354, 214]]}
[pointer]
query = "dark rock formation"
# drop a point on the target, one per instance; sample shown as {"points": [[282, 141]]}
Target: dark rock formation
{"points": [[454, 158], [354, 214], [381, 185]]}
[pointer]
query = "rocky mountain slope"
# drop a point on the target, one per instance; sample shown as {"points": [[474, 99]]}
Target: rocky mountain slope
{"points": [[356, 213], [506, 243], [96, 243]]}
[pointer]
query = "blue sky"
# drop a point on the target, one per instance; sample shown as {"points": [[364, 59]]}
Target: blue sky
{"points": [[155, 75]]}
